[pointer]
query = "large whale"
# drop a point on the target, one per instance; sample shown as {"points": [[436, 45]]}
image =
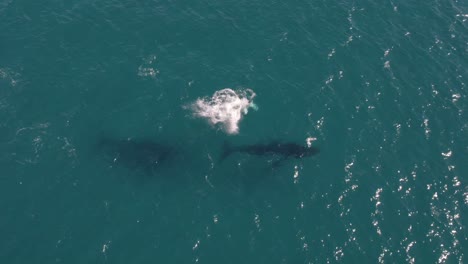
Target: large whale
{"points": [[282, 149], [144, 154]]}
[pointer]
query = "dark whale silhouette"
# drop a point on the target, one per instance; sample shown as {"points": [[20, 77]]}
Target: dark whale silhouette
{"points": [[144, 154], [283, 149]]}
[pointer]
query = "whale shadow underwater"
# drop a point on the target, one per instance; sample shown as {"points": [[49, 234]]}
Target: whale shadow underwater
{"points": [[137, 154]]}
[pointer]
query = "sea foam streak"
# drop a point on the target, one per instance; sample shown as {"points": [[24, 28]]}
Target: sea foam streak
{"points": [[226, 107]]}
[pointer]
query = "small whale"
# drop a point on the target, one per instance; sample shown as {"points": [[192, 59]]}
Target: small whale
{"points": [[283, 149], [144, 154]]}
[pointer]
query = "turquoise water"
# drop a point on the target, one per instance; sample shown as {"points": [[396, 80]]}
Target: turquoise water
{"points": [[380, 86]]}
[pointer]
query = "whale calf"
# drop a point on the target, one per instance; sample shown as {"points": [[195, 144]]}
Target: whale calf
{"points": [[143, 153]]}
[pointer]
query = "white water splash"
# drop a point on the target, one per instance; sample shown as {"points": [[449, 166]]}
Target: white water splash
{"points": [[226, 107], [447, 154], [147, 69], [296, 174], [106, 246], [9, 75], [309, 141]]}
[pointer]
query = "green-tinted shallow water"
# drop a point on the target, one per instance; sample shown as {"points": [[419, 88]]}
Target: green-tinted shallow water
{"points": [[380, 85]]}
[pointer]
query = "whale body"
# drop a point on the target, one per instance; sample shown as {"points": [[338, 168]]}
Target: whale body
{"points": [[145, 154], [283, 149]]}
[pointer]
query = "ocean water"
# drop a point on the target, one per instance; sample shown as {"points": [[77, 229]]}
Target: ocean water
{"points": [[92, 92]]}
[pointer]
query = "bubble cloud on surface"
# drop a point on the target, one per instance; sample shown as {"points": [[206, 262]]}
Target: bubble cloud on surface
{"points": [[226, 107]]}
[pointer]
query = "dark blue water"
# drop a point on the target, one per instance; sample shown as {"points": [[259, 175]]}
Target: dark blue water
{"points": [[103, 158]]}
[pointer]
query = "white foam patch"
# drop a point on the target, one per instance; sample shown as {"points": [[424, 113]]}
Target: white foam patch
{"points": [[226, 107], [309, 141], [147, 69]]}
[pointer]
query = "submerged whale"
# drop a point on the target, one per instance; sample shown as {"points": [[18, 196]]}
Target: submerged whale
{"points": [[275, 148], [144, 154]]}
